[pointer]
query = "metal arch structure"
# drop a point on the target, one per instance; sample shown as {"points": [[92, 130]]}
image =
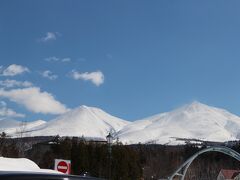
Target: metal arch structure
{"points": [[182, 170]]}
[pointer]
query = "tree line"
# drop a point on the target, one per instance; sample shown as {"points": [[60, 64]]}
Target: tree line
{"points": [[122, 164], [127, 162]]}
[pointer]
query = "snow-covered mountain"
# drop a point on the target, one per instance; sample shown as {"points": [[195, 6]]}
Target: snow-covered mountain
{"points": [[193, 121], [83, 121]]}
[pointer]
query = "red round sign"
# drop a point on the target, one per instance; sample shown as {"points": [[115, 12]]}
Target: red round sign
{"points": [[62, 167]]}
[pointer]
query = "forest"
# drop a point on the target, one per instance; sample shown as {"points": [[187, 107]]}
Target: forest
{"points": [[126, 162]]}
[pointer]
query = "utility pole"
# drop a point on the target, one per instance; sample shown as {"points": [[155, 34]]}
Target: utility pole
{"points": [[109, 143]]}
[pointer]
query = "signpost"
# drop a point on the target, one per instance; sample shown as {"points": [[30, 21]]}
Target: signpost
{"points": [[63, 166]]}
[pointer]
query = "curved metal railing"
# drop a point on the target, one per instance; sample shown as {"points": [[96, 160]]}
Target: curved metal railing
{"points": [[182, 170]]}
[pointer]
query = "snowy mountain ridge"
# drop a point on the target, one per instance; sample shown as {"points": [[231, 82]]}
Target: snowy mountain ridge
{"points": [[191, 121], [82, 121]]}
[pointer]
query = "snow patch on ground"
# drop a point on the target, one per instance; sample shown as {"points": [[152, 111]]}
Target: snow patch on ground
{"points": [[21, 164]]}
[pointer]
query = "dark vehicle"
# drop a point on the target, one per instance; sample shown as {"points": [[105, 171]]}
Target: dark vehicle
{"points": [[9, 175]]}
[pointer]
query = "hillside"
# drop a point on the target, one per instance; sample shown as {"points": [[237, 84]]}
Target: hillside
{"points": [[193, 121]]}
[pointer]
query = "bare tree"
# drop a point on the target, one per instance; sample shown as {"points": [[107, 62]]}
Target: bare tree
{"points": [[3, 136]]}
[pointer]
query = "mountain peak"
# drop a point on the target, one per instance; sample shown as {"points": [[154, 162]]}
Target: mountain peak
{"points": [[83, 107], [192, 121], [84, 121], [196, 103], [196, 106]]}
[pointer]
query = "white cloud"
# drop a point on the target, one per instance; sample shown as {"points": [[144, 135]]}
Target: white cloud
{"points": [[8, 83], [66, 60], [48, 74], [96, 78], [56, 59], [34, 100], [52, 59], [14, 70], [50, 36], [7, 112]]}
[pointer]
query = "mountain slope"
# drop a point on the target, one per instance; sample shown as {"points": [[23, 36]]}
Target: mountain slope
{"points": [[192, 121], [14, 127], [195, 120], [82, 121]]}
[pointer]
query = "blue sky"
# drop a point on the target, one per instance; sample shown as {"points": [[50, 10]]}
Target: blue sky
{"points": [[132, 58]]}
